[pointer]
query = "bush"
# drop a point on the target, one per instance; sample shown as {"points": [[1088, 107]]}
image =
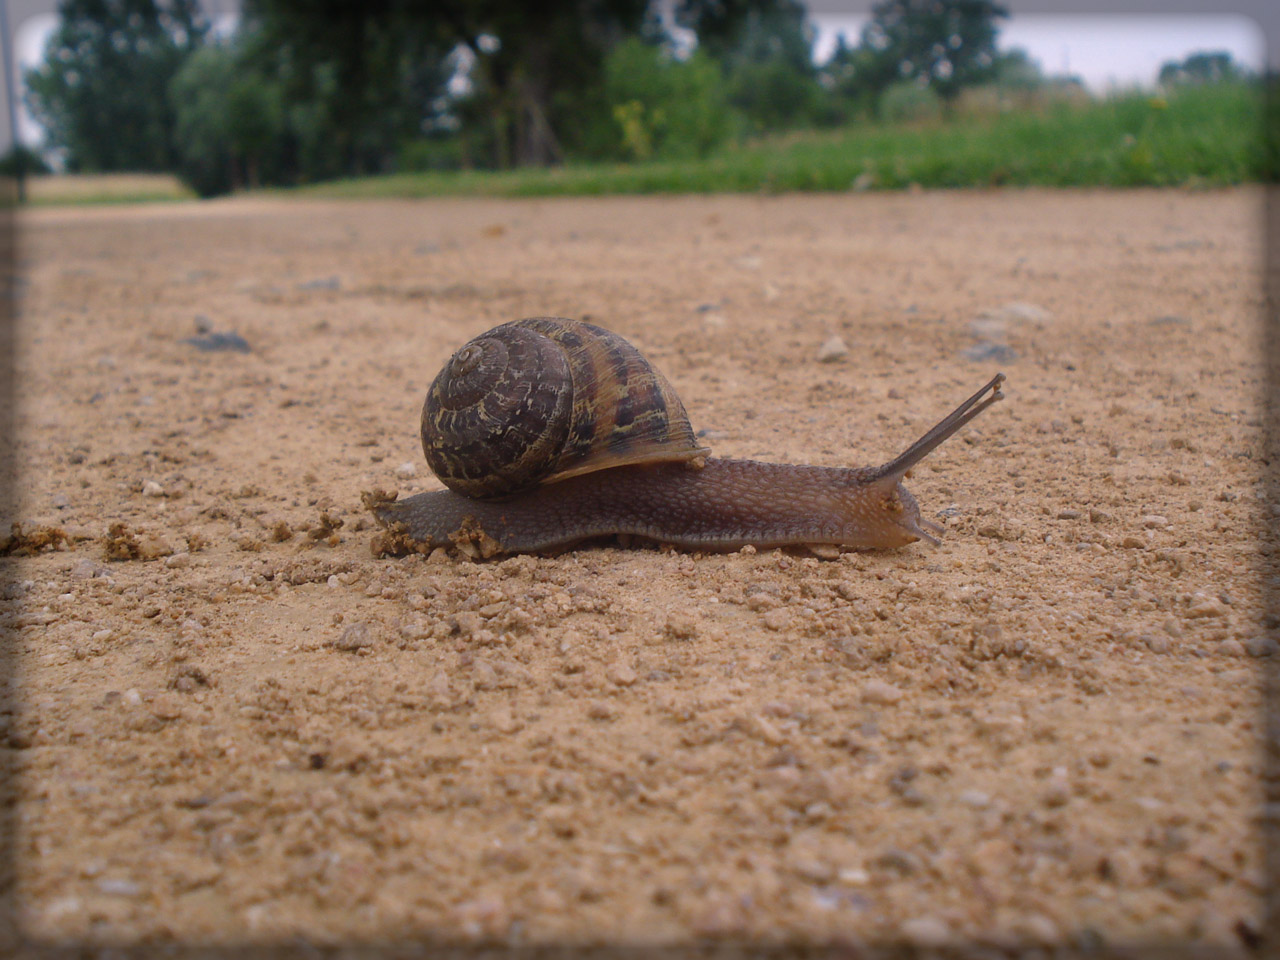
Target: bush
{"points": [[432, 153], [909, 102], [665, 108], [774, 95], [230, 123]]}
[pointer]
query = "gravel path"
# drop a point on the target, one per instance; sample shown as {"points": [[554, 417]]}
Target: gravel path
{"points": [[238, 722]]}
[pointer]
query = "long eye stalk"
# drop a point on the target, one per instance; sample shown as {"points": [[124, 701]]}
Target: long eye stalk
{"points": [[944, 429]]}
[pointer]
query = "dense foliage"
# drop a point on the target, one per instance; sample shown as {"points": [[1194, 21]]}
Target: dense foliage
{"points": [[322, 89], [943, 45], [101, 93]]}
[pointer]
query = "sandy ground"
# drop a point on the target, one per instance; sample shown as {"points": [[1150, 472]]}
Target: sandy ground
{"points": [[238, 723]]}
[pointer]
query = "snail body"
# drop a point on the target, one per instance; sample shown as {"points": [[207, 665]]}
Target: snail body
{"points": [[623, 460]]}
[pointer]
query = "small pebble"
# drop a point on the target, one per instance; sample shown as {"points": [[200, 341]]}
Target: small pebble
{"points": [[86, 569], [483, 676], [416, 627], [778, 619], [118, 887], [1057, 793], [1040, 928], [833, 350], [681, 625], [853, 876], [988, 351], [877, 691], [1204, 606], [768, 732], [1261, 646], [504, 721], [152, 489], [219, 343], [815, 871], [1153, 521], [407, 470], [322, 283], [975, 798], [621, 674], [599, 710], [63, 907], [1017, 312], [166, 707], [152, 547], [354, 637], [178, 561], [1068, 514], [1155, 643], [926, 931], [333, 582]]}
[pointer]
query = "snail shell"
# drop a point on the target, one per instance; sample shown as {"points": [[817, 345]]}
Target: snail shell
{"points": [[540, 400]]}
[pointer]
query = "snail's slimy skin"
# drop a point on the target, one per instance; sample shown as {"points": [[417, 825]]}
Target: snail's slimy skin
{"points": [[633, 466], [726, 505]]}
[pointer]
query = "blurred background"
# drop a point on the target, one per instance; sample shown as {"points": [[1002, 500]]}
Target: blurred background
{"points": [[140, 99]]}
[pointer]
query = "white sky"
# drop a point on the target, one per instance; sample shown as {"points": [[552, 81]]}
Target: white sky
{"points": [[1105, 51]]}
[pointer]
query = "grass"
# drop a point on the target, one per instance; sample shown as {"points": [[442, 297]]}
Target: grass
{"points": [[1210, 136], [103, 188]]}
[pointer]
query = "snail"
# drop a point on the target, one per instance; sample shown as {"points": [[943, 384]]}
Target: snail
{"points": [[551, 431]]}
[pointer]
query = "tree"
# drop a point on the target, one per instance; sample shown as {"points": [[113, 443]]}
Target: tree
{"points": [[1199, 68], [720, 24], [355, 80], [766, 50], [378, 69], [230, 122], [771, 76], [1015, 70], [539, 69], [847, 79], [945, 44], [101, 93]]}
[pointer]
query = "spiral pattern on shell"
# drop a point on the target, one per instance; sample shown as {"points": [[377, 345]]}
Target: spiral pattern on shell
{"points": [[544, 399]]}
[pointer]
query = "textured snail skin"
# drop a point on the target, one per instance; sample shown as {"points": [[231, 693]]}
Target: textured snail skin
{"points": [[724, 505]]}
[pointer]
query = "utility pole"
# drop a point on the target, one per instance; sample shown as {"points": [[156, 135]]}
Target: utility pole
{"points": [[6, 45]]}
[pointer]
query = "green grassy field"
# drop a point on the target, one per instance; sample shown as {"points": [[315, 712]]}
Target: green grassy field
{"points": [[1204, 136], [1209, 136]]}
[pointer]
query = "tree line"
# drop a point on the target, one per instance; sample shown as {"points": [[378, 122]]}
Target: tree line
{"points": [[315, 90]]}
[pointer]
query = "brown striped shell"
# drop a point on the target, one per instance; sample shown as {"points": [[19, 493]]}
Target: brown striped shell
{"points": [[543, 399]]}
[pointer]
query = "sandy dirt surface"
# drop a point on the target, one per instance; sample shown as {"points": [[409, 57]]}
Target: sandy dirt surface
{"points": [[236, 723]]}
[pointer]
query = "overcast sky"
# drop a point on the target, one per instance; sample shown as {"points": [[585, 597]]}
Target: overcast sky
{"points": [[1105, 51]]}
